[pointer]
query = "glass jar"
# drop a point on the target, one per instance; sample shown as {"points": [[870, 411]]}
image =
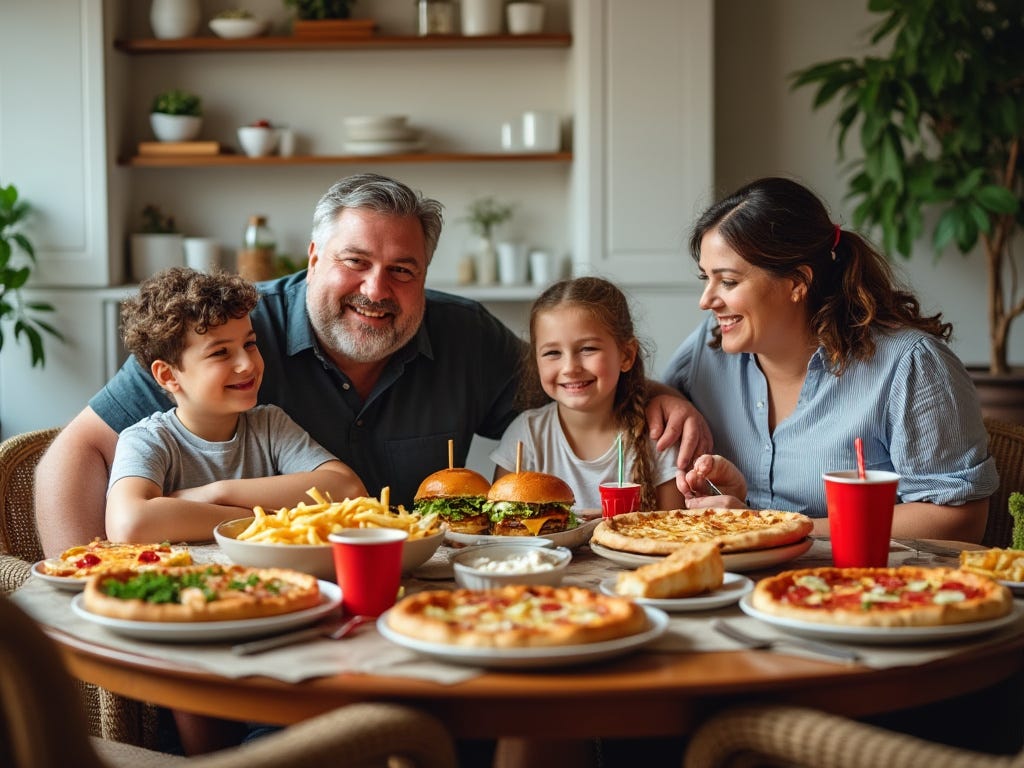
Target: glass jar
{"points": [[435, 17], [256, 257]]}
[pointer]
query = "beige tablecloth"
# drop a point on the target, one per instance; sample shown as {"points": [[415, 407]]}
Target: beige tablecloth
{"points": [[367, 652]]}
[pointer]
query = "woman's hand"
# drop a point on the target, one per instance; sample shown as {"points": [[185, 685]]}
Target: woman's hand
{"points": [[720, 471]]}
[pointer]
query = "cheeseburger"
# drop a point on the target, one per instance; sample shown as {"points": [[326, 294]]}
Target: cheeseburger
{"points": [[457, 496], [529, 504]]}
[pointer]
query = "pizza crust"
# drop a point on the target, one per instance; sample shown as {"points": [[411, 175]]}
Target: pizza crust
{"points": [[858, 597], [734, 530], [688, 571], [292, 591], [516, 616]]}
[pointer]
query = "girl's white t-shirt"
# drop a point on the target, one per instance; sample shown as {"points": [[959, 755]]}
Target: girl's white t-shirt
{"points": [[545, 449]]}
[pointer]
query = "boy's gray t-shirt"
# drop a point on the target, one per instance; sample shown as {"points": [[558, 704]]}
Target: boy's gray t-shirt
{"points": [[266, 443]]}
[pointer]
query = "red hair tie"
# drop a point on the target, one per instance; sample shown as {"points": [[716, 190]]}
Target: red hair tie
{"points": [[835, 240]]}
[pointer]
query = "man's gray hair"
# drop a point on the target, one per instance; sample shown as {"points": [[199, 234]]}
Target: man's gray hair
{"points": [[382, 195]]}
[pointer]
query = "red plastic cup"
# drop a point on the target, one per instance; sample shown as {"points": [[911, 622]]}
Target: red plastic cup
{"points": [[616, 499], [368, 564], [860, 517]]}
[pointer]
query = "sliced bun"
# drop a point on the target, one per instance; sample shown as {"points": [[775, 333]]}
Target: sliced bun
{"points": [[688, 571], [531, 488], [452, 482]]}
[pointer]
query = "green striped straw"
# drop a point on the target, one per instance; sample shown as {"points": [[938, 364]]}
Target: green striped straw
{"points": [[618, 441]]}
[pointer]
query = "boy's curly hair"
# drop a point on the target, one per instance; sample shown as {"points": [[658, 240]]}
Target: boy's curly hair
{"points": [[156, 322]]}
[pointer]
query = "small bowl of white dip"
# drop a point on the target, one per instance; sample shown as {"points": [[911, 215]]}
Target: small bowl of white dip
{"points": [[497, 565]]}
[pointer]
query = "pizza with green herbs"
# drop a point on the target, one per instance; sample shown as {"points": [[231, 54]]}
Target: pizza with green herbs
{"points": [[200, 593]]}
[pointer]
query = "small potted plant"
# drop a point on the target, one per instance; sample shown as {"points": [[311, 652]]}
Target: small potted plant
{"points": [[157, 246], [327, 19], [17, 257], [484, 215], [176, 115]]}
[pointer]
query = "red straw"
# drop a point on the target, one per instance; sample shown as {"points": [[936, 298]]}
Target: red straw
{"points": [[858, 444]]}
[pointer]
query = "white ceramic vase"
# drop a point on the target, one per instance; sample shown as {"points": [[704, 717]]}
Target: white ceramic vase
{"points": [[525, 18], [152, 253], [172, 19], [487, 262], [482, 17]]}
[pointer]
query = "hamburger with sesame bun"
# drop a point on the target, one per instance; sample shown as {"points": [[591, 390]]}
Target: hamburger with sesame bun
{"points": [[529, 504], [457, 496]]}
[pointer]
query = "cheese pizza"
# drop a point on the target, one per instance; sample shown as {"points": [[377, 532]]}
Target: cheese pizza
{"points": [[516, 617], [200, 593], [907, 596], [100, 556], [734, 530]]}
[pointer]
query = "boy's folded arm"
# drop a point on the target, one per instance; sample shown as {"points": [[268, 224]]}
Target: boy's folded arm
{"points": [[137, 512]]}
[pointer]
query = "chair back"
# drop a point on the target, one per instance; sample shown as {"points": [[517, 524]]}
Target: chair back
{"points": [[19, 455], [1006, 444], [41, 720]]}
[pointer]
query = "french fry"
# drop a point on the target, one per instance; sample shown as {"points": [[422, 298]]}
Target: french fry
{"points": [[313, 523]]}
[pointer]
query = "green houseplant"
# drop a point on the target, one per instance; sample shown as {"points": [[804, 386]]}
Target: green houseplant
{"points": [[17, 257], [176, 115], [319, 10], [941, 118]]}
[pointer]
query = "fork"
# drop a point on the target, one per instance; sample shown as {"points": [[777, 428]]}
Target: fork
{"points": [[258, 646], [755, 643]]}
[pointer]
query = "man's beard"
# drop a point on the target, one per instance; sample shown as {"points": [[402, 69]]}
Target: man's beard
{"points": [[359, 342]]}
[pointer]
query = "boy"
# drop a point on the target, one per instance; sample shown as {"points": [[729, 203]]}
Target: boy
{"points": [[216, 454]]}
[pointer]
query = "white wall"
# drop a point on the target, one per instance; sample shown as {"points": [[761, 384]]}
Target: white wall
{"points": [[763, 128]]}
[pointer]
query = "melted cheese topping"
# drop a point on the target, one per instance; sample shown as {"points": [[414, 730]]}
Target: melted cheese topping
{"points": [[696, 526], [529, 612]]}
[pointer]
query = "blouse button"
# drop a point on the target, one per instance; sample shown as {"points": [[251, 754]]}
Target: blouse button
{"points": [[346, 386], [760, 404]]}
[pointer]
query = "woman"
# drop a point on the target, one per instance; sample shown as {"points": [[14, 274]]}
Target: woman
{"points": [[811, 343]]}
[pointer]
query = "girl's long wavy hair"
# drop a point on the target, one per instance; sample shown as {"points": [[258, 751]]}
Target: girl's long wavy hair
{"points": [[780, 226], [609, 307]]}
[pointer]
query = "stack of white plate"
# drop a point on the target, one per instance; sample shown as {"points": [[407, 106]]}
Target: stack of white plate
{"points": [[380, 135]]}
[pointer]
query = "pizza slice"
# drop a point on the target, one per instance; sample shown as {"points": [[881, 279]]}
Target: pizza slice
{"points": [[100, 556]]}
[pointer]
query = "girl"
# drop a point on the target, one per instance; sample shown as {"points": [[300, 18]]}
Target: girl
{"points": [[584, 385]]}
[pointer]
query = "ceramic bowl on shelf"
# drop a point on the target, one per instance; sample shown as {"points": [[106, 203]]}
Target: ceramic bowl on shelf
{"points": [[258, 140], [233, 29], [174, 127]]}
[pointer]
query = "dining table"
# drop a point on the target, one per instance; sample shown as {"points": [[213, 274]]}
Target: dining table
{"points": [[662, 689]]}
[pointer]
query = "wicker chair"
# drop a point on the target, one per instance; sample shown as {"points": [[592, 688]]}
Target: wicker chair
{"points": [[41, 723], [1006, 444], [796, 737], [109, 716]]}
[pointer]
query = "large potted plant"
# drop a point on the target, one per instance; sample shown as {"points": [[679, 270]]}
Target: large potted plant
{"points": [[940, 118], [17, 257]]}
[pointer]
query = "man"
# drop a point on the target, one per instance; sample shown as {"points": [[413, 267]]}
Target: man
{"points": [[380, 371]]}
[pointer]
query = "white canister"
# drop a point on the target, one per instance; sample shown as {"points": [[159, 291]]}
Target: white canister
{"points": [[541, 131], [542, 268], [525, 18], [173, 19], [511, 137], [153, 253], [285, 142], [482, 17], [512, 263], [202, 254]]}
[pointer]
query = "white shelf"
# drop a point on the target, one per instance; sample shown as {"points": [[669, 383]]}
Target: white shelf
{"points": [[527, 292]]}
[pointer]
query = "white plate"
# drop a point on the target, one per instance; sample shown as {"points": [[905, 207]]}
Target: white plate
{"points": [[1017, 587], [734, 586], [734, 561], [572, 538], [213, 631], [382, 147], [69, 583], [657, 623], [881, 635]]}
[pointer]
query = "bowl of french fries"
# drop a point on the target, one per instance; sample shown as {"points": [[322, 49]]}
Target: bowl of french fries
{"points": [[296, 537]]}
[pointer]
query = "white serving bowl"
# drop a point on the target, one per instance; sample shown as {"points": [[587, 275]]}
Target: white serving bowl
{"points": [[374, 123], [468, 576], [308, 558], [258, 141], [236, 28]]}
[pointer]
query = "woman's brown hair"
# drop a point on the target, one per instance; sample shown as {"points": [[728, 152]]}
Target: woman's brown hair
{"points": [[609, 307], [780, 226]]}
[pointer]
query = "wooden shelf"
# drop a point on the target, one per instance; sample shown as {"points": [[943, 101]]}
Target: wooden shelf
{"points": [[207, 161], [375, 42]]}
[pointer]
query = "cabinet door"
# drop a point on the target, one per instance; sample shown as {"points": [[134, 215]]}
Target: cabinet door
{"points": [[53, 134], [644, 135]]}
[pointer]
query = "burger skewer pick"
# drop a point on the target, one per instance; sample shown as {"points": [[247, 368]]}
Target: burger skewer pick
{"points": [[451, 454]]}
